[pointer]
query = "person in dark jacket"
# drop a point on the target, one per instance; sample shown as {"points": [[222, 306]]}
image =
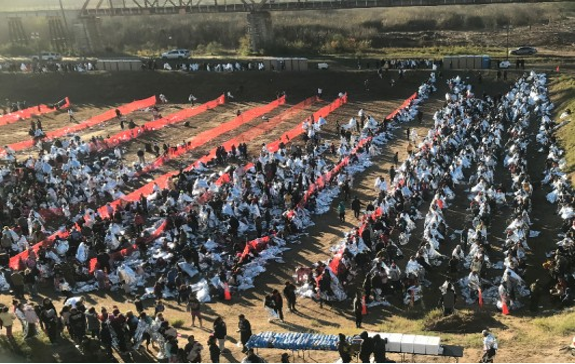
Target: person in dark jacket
{"points": [[344, 349], [106, 339], [447, 300], [220, 333], [289, 293], [278, 304], [357, 310], [366, 347], [77, 322], [214, 349], [245, 330], [49, 324], [379, 349], [356, 207]]}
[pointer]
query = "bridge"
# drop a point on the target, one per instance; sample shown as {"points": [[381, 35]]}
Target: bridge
{"points": [[87, 17]]}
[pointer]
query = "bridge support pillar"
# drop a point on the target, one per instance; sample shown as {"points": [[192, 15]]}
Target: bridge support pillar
{"points": [[260, 31], [88, 37]]}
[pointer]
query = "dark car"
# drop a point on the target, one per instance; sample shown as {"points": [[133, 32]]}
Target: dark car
{"points": [[523, 51]]}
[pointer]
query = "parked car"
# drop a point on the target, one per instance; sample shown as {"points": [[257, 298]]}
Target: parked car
{"points": [[504, 64], [47, 56], [322, 66], [176, 54], [523, 51]]}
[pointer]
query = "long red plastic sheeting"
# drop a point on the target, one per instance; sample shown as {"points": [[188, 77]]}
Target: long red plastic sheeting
{"points": [[257, 131], [210, 134], [132, 248], [174, 118], [257, 244], [162, 183], [334, 264], [323, 112], [29, 112], [108, 115], [52, 213], [274, 146]]}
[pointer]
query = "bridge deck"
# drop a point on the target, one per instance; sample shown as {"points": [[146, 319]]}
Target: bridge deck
{"points": [[93, 8], [183, 7]]}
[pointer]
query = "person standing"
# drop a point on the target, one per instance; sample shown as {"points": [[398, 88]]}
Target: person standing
{"points": [[220, 333], [344, 349], [357, 310], [489, 347], [356, 207], [245, 330], [366, 348], [141, 157], [106, 339], [7, 318], [30, 275], [289, 293], [17, 284], [49, 324], [93, 322], [396, 159], [341, 211], [71, 115], [392, 174], [269, 306], [194, 307], [448, 300], [214, 349], [278, 304], [193, 350], [536, 291], [379, 349]]}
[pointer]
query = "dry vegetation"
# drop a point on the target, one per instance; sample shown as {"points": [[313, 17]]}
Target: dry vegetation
{"points": [[353, 32]]}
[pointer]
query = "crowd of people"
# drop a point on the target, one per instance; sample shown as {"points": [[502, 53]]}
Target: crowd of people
{"points": [[463, 148], [193, 237], [47, 66], [265, 198]]}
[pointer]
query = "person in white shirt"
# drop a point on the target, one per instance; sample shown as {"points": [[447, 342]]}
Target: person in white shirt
{"points": [[489, 347], [71, 115]]}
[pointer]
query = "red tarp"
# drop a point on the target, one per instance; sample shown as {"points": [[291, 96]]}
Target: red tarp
{"points": [[174, 118], [162, 183], [127, 251], [334, 264], [30, 112], [108, 115], [52, 213], [257, 131], [210, 134]]}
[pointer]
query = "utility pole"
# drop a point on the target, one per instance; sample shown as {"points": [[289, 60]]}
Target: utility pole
{"points": [[507, 43], [65, 21], [35, 36]]}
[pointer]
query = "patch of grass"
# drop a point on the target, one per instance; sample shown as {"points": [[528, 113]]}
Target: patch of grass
{"points": [[402, 324], [558, 325], [177, 323], [315, 323]]}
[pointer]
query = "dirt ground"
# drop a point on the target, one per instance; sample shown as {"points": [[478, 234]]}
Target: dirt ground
{"points": [[379, 101]]}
